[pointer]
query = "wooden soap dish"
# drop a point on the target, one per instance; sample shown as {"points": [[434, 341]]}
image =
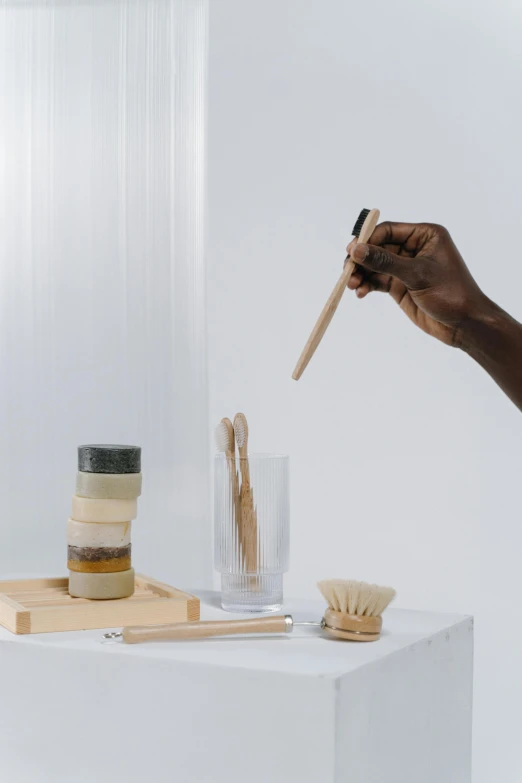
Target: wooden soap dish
{"points": [[45, 606]]}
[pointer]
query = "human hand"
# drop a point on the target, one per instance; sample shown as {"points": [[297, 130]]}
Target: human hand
{"points": [[422, 270]]}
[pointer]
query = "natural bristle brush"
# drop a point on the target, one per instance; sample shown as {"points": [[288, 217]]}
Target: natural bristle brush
{"points": [[354, 608], [353, 614], [362, 231]]}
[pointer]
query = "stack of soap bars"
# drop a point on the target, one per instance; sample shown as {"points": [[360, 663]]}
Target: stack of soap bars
{"points": [[108, 484]]}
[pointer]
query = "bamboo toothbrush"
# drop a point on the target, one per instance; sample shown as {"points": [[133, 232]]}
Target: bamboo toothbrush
{"points": [[353, 614], [362, 231], [248, 513], [225, 441]]}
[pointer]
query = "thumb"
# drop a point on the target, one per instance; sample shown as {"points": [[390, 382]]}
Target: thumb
{"points": [[377, 259]]}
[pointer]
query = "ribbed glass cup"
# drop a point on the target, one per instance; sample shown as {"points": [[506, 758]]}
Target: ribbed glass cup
{"points": [[252, 530]]}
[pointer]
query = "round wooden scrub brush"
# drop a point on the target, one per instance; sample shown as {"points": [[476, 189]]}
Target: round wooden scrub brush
{"points": [[354, 608]]}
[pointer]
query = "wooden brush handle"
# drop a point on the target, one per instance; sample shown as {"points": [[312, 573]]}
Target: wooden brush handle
{"points": [[249, 532], [200, 630], [335, 297], [248, 528], [244, 465], [234, 485], [323, 321]]}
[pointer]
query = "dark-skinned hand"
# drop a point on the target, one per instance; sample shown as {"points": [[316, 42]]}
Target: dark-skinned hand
{"points": [[422, 270]]}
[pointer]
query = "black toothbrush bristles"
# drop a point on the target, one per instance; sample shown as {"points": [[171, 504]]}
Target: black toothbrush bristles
{"points": [[360, 222]]}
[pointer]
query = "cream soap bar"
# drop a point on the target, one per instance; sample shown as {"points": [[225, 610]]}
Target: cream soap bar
{"points": [[103, 511], [122, 486], [101, 586], [91, 534]]}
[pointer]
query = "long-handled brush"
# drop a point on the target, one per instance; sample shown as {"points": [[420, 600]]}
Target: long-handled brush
{"points": [[353, 614]]}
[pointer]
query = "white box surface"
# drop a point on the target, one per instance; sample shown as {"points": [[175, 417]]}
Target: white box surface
{"points": [[300, 708]]}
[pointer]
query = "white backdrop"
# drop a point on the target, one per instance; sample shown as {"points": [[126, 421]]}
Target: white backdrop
{"points": [[405, 456]]}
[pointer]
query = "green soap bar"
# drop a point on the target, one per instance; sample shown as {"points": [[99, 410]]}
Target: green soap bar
{"points": [[101, 586], [108, 486]]}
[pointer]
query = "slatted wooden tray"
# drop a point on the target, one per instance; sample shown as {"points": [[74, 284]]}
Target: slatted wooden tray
{"points": [[44, 605]]}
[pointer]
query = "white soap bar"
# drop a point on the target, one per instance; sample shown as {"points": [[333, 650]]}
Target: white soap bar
{"points": [[123, 486], [94, 534], [101, 586], [103, 511]]}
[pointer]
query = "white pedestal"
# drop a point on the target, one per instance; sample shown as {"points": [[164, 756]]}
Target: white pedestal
{"points": [[302, 708]]}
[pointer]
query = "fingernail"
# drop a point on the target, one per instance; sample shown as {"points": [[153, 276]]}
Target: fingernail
{"points": [[360, 252]]}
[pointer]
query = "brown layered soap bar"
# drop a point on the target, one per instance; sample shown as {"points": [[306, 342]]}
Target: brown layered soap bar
{"points": [[98, 560]]}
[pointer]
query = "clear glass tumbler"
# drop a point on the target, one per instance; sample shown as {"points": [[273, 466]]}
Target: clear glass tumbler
{"points": [[252, 530]]}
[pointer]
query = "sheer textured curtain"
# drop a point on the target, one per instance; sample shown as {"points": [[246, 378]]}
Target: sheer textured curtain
{"points": [[102, 279]]}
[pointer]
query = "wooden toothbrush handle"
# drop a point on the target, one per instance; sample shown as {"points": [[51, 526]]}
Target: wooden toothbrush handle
{"points": [[328, 311], [200, 630], [250, 535], [323, 322], [234, 485], [248, 523], [248, 530], [244, 467]]}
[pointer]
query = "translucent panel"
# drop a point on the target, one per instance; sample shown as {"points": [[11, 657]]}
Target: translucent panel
{"points": [[102, 287]]}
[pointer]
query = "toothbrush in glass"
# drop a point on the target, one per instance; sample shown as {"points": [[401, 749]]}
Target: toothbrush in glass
{"points": [[248, 512], [225, 442]]}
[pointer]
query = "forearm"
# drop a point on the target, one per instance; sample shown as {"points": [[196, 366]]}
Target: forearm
{"points": [[494, 340]]}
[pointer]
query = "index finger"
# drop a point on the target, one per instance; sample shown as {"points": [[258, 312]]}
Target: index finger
{"points": [[389, 233]]}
